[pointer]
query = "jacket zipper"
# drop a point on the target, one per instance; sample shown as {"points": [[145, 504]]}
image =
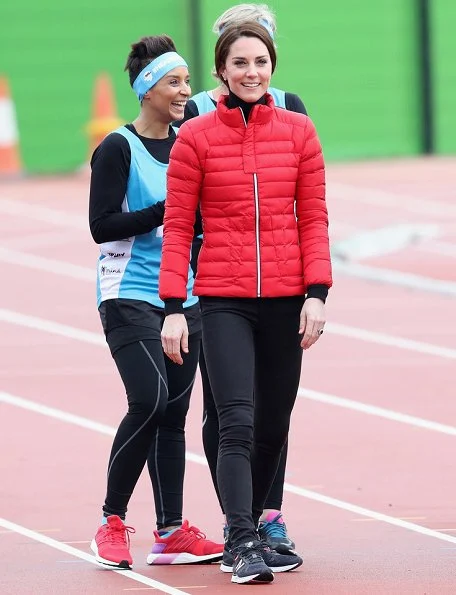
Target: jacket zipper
{"points": [[257, 224]]}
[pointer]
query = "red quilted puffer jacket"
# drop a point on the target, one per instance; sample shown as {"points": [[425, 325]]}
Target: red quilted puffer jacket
{"points": [[261, 189]]}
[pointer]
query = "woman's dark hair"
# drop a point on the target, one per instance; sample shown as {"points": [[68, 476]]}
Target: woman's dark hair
{"points": [[233, 33], [144, 51]]}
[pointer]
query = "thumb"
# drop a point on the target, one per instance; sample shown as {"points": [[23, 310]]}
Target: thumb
{"points": [[302, 322], [184, 341]]}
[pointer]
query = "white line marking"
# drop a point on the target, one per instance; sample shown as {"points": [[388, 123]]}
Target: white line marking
{"points": [[72, 551], [75, 420], [393, 277], [49, 265], [44, 214], [98, 340], [70, 332], [370, 243], [298, 491], [391, 200], [389, 340], [47, 238], [351, 269], [54, 328], [443, 248], [410, 420], [378, 516]]}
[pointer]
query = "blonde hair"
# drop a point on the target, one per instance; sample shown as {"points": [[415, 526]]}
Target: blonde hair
{"points": [[241, 13]]}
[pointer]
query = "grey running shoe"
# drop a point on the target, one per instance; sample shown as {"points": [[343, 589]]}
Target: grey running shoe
{"points": [[274, 533], [249, 566], [275, 561]]}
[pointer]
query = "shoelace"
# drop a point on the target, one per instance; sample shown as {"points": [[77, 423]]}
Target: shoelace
{"points": [[251, 554], [196, 532], [274, 528], [118, 535]]}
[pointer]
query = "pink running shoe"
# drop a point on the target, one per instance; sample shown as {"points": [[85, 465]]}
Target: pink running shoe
{"points": [[186, 545], [111, 544]]}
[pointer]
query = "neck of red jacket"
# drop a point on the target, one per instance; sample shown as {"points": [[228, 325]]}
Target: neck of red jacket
{"points": [[234, 101]]}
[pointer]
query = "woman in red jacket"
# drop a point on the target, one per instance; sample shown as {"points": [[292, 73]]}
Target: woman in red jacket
{"points": [[264, 271]]}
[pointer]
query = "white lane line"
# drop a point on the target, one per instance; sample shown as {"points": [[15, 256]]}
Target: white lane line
{"points": [[410, 420], [53, 328], [298, 491], [304, 393], [399, 202], [389, 340], [72, 551], [442, 248], [350, 269], [365, 512], [75, 420], [378, 241], [366, 272], [64, 330], [98, 340], [39, 263], [49, 215], [33, 241]]}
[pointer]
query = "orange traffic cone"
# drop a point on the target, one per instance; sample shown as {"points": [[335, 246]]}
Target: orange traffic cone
{"points": [[10, 161], [104, 112]]}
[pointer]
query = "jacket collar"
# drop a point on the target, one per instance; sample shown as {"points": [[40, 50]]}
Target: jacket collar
{"points": [[260, 114]]}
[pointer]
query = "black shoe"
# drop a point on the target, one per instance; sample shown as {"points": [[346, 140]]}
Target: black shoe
{"points": [[249, 566], [274, 533], [278, 562], [275, 561]]}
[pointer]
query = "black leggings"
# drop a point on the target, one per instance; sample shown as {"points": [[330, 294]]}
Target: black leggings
{"points": [[211, 424], [158, 393], [211, 444], [252, 346]]}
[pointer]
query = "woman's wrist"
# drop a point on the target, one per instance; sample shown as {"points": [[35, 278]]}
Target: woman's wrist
{"points": [[319, 291], [174, 306]]}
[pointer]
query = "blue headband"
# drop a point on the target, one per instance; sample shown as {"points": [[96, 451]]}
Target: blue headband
{"points": [[154, 71], [264, 22], [267, 25]]}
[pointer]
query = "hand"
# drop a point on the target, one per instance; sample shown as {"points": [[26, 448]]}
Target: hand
{"points": [[174, 337], [312, 321]]}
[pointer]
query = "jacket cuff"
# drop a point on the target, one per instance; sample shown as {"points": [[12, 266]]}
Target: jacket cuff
{"points": [[318, 291], [174, 306]]}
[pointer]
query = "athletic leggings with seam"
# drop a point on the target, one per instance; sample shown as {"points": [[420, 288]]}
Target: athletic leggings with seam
{"points": [[252, 346], [158, 394]]}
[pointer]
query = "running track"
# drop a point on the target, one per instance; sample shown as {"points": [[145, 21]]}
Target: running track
{"points": [[371, 475]]}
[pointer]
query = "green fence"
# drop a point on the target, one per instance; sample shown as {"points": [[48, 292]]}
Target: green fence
{"points": [[443, 42], [52, 51], [355, 64]]}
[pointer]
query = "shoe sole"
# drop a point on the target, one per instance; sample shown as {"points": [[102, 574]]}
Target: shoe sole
{"points": [[122, 565], [182, 558], [262, 577], [278, 569]]}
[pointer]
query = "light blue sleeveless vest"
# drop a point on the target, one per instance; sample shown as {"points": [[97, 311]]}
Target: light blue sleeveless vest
{"points": [[130, 268], [205, 104]]}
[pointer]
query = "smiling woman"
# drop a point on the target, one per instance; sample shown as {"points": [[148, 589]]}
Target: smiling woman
{"points": [[245, 64], [127, 192], [263, 276]]}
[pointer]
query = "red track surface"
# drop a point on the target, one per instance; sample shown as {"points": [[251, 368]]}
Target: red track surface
{"points": [[347, 466]]}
